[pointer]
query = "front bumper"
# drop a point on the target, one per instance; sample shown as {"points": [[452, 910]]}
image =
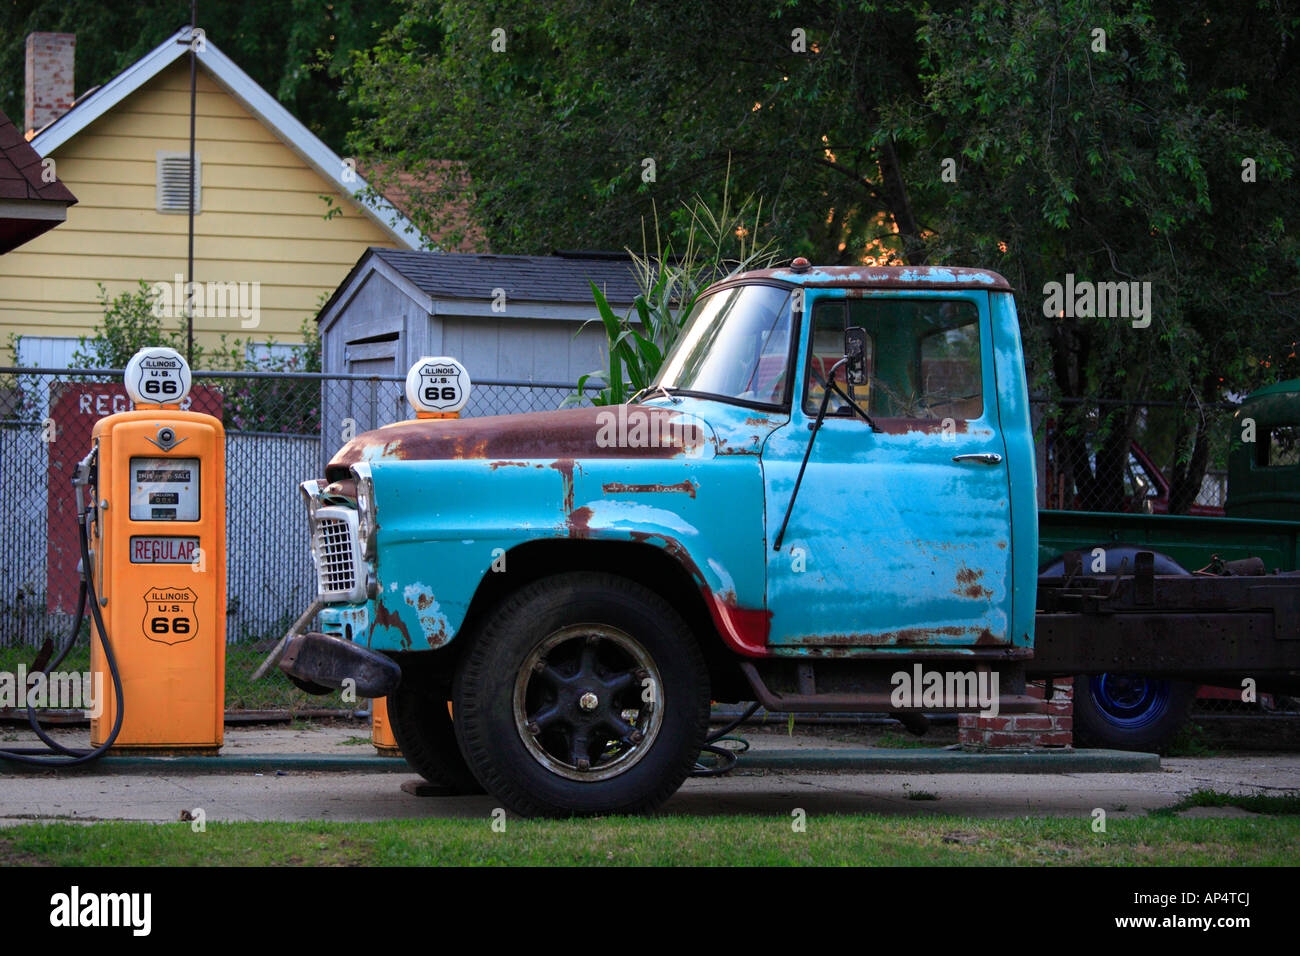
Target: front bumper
{"points": [[331, 661]]}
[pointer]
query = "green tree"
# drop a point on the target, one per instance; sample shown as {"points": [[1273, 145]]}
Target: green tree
{"points": [[1106, 140], [1102, 139], [596, 109], [132, 321]]}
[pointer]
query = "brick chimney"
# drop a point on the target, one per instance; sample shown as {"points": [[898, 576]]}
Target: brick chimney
{"points": [[49, 78]]}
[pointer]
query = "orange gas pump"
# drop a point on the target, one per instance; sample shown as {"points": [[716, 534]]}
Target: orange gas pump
{"points": [[158, 553], [151, 527]]}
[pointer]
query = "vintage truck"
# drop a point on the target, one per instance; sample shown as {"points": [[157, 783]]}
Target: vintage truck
{"points": [[828, 491]]}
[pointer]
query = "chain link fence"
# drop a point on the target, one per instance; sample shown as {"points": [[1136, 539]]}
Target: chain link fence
{"points": [[281, 428], [1133, 457]]}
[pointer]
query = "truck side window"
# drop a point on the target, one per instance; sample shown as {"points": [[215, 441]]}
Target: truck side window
{"points": [[1280, 447], [950, 373], [827, 349], [923, 357]]}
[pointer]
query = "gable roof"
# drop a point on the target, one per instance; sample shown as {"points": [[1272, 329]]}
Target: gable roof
{"points": [[29, 205], [544, 280], [328, 164]]}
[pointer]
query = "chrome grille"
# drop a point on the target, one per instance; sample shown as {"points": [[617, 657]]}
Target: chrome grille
{"points": [[337, 555]]}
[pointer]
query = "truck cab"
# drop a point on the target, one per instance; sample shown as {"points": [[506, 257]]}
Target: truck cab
{"points": [[830, 483]]}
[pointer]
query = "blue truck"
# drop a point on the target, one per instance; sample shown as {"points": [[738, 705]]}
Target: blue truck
{"points": [[828, 493]]}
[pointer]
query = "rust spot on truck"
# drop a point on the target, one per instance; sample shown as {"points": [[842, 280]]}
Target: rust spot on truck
{"points": [[968, 584], [433, 623], [386, 618], [565, 467], [507, 464], [686, 487], [579, 522], [751, 447], [860, 281], [834, 645]]}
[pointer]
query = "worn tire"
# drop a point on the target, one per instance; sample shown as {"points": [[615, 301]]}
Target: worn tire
{"points": [[628, 620], [1146, 718], [424, 732]]}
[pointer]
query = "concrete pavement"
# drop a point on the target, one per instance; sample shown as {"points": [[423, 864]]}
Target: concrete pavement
{"points": [[162, 793]]}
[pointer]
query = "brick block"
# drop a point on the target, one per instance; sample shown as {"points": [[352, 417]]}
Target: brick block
{"points": [[1062, 738], [1032, 722]]}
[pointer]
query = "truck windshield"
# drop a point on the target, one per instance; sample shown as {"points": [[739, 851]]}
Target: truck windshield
{"points": [[735, 345]]}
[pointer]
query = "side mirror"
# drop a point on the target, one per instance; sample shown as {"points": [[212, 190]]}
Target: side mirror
{"points": [[855, 351]]}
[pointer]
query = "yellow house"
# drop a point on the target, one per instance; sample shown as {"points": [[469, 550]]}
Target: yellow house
{"points": [[280, 218]]}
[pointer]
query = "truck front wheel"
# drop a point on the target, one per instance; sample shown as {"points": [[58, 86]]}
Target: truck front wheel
{"points": [[582, 694]]}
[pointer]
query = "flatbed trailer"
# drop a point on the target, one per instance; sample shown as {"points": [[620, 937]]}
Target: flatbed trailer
{"points": [[1184, 627]]}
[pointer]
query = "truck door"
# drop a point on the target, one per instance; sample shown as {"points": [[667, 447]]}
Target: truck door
{"points": [[900, 538]]}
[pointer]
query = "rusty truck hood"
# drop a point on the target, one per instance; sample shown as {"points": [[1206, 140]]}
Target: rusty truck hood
{"points": [[621, 431]]}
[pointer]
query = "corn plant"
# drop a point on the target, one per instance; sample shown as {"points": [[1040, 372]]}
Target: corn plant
{"points": [[668, 285]]}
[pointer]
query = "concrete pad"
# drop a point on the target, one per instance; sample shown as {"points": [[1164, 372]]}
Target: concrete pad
{"points": [[283, 791]]}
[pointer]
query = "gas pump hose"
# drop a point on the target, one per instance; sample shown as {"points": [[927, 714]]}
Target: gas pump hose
{"points": [[56, 754]]}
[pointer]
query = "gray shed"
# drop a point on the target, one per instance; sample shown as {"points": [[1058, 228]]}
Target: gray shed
{"points": [[507, 318], [504, 317]]}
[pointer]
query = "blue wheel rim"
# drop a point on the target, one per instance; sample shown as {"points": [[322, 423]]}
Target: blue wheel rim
{"points": [[1130, 702]]}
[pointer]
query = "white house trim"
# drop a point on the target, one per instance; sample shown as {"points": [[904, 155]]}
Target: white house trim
{"points": [[258, 102], [373, 264]]}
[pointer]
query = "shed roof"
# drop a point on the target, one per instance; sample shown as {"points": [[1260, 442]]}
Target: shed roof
{"points": [[527, 278]]}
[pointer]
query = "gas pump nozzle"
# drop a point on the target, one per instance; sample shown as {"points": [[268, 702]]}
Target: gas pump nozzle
{"points": [[83, 479]]}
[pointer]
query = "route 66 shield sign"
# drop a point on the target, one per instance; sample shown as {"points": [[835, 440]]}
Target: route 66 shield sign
{"points": [[169, 615], [437, 384], [157, 376]]}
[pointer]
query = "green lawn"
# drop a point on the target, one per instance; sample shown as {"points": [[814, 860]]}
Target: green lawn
{"points": [[712, 841]]}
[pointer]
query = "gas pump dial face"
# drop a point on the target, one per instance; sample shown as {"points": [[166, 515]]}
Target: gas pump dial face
{"points": [[157, 376]]}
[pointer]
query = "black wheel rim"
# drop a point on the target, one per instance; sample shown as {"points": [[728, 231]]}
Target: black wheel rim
{"points": [[588, 702]]}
